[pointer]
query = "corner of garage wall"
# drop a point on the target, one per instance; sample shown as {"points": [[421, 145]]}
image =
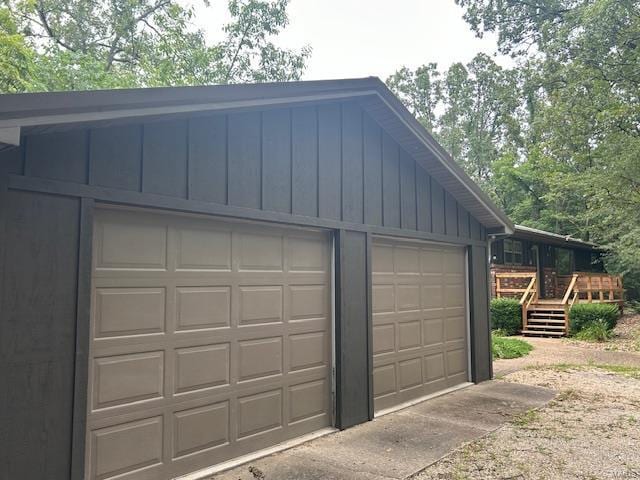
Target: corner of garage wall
{"points": [[481, 359], [38, 285]]}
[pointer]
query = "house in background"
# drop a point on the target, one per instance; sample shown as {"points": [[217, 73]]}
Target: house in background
{"points": [[549, 273], [553, 258]]}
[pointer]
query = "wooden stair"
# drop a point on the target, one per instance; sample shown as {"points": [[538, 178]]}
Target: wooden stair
{"points": [[549, 317], [545, 320]]}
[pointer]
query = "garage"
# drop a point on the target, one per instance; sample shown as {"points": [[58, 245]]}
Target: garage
{"points": [[419, 320], [209, 340], [191, 276]]}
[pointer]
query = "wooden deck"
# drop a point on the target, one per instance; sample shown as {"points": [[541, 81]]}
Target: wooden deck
{"points": [[550, 316]]}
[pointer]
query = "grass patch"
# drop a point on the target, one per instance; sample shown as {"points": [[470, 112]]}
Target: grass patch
{"points": [[503, 347], [595, 331], [623, 370]]}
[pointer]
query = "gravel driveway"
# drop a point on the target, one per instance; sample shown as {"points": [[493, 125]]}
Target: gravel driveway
{"points": [[590, 431]]}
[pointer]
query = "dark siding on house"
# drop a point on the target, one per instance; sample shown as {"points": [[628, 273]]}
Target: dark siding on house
{"points": [[38, 266], [328, 161], [326, 165], [208, 158]]}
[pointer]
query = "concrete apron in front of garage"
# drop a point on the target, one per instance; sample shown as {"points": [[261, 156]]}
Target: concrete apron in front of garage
{"points": [[400, 444]]}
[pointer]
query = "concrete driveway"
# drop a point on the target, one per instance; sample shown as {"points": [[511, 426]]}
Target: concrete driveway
{"points": [[400, 444]]}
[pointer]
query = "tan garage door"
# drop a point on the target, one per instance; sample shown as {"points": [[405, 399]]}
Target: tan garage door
{"points": [[419, 320], [209, 340]]}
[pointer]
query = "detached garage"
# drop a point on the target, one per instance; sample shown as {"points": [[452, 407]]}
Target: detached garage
{"points": [[192, 275]]}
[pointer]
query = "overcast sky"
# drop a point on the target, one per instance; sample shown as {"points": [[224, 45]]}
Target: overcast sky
{"points": [[360, 38]]}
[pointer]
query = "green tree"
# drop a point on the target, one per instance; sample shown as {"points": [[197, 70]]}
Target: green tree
{"points": [[470, 109], [586, 126], [16, 57], [85, 44]]}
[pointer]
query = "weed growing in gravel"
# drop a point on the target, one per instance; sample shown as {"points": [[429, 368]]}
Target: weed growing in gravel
{"points": [[525, 419], [503, 347]]}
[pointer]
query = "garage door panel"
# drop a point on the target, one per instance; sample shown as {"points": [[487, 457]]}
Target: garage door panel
{"points": [[307, 254], [419, 321], [434, 367], [259, 358], [432, 296], [307, 400], [129, 378], [260, 252], [129, 311], [203, 307], [259, 413], [454, 295], [410, 373], [203, 249], [384, 298], [260, 304], [384, 339], [456, 361], [224, 350], [201, 367], [382, 259], [384, 380], [308, 350], [407, 260], [199, 429], [127, 448], [409, 335], [408, 297], [123, 241], [307, 301], [433, 332], [431, 261]]}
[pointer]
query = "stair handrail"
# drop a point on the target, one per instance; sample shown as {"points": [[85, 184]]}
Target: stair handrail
{"points": [[529, 294], [528, 291], [570, 288]]}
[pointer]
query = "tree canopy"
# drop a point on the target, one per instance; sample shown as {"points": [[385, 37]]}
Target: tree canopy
{"points": [[50, 45], [556, 139]]}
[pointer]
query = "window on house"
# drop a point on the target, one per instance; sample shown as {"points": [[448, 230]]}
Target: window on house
{"points": [[564, 261], [512, 252]]}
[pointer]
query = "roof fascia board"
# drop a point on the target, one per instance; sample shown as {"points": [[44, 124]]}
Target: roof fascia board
{"points": [[80, 117], [558, 242]]}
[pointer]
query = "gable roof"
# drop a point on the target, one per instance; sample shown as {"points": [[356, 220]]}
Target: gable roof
{"points": [[529, 233], [45, 112]]}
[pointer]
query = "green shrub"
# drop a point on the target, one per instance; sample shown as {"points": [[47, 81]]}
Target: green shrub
{"points": [[506, 315], [597, 331], [584, 314], [502, 347]]}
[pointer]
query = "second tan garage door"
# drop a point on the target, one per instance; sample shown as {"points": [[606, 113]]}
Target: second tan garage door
{"points": [[209, 340], [419, 320]]}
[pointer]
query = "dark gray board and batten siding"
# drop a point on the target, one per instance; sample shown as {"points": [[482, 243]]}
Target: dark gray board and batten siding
{"points": [[327, 165]]}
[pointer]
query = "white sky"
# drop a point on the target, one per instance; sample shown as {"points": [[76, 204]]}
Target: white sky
{"points": [[360, 38]]}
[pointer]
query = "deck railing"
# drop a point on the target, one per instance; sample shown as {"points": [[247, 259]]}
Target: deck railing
{"points": [[582, 287]]}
